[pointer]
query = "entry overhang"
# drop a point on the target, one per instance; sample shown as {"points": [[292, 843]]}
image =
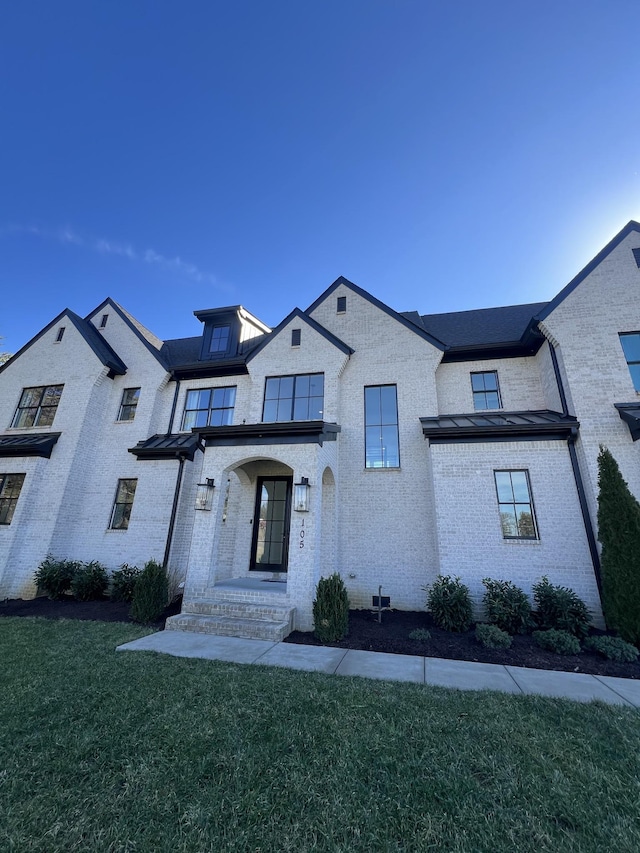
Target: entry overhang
{"points": [[630, 414], [500, 426], [34, 444], [288, 432]]}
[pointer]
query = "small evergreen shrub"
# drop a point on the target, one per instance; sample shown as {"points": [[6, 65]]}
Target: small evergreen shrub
{"points": [[492, 637], [123, 582], [55, 576], [612, 648], [558, 642], [150, 594], [331, 609], [421, 634], [507, 606], [559, 607], [449, 601], [89, 581]]}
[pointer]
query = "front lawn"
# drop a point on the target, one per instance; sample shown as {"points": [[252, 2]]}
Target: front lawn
{"points": [[141, 752]]}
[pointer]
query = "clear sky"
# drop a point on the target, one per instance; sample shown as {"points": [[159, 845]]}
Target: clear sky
{"points": [[180, 156]]}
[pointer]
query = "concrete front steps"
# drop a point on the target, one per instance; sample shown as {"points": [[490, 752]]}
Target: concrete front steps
{"points": [[224, 615]]}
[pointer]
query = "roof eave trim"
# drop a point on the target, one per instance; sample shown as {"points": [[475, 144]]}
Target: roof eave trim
{"points": [[109, 301], [297, 313]]}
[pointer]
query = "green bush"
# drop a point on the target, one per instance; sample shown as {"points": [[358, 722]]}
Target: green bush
{"points": [[54, 576], [492, 637], [89, 581], [421, 634], [559, 607], [331, 609], [150, 595], [123, 582], [612, 648], [449, 601], [558, 642], [507, 606]]}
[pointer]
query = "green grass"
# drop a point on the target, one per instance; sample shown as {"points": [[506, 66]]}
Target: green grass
{"points": [[141, 752]]}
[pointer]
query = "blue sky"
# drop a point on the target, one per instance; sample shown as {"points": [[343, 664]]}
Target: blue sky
{"points": [[180, 156]]}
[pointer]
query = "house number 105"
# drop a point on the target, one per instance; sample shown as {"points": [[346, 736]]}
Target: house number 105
{"points": [[302, 534]]}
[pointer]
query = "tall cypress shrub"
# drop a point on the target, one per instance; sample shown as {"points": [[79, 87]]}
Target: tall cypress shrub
{"points": [[331, 609], [619, 534], [150, 593]]}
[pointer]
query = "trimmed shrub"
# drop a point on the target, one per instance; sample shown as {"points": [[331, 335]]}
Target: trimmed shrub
{"points": [[54, 576], [612, 648], [492, 637], [89, 581], [507, 606], [559, 607], [558, 642], [421, 634], [123, 582], [331, 609], [619, 533], [150, 594], [449, 601]]}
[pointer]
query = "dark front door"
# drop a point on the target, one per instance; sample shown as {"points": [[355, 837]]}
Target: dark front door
{"points": [[271, 524]]}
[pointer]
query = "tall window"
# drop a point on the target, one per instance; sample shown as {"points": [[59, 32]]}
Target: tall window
{"points": [[209, 407], [631, 346], [10, 485], [37, 406], [382, 448], [486, 393], [121, 512], [516, 506], [129, 404], [294, 398], [220, 339]]}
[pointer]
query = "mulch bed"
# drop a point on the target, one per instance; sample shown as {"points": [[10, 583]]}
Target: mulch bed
{"points": [[392, 635]]}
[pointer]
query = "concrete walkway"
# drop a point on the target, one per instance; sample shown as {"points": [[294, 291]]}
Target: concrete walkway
{"points": [[463, 675]]}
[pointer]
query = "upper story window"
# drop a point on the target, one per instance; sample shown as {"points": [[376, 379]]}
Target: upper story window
{"points": [[220, 339], [296, 337], [294, 398], [10, 486], [341, 305], [486, 392], [37, 406], [209, 407], [631, 345], [60, 334], [103, 320], [129, 404], [382, 446], [516, 506]]}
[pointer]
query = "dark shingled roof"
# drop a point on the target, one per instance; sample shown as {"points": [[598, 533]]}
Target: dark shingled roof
{"points": [[181, 351]]}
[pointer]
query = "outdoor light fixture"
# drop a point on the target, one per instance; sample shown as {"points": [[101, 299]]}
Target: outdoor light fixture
{"points": [[301, 495], [204, 495]]}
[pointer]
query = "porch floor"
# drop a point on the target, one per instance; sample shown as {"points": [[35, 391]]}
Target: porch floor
{"points": [[255, 584]]}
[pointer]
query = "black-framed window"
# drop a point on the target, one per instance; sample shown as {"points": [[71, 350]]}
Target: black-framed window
{"points": [[209, 407], [129, 404], [517, 515], [103, 320], [486, 391], [382, 445], [121, 512], [37, 406], [631, 346], [341, 304], [10, 486], [296, 337], [220, 338], [293, 398], [60, 334]]}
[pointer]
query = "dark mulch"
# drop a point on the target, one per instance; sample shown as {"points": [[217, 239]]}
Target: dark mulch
{"points": [[103, 610], [393, 636]]}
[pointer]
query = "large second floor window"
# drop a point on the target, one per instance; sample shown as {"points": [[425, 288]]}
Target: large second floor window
{"points": [[37, 406], [294, 398], [209, 407], [129, 404], [631, 346], [486, 392], [382, 446]]}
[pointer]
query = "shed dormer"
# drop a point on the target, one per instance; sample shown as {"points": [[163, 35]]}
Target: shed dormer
{"points": [[227, 332]]}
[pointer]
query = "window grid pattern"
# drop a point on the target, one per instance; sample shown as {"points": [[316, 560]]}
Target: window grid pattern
{"points": [[121, 513], [517, 516], [486, 392], [129, 404], [37, 406], [382, 445], [293, 398], [209, 407], [631, 346], [220, 339], [10, 487]]}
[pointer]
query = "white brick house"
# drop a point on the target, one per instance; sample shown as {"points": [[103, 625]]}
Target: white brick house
{"points": [[461, 443]]}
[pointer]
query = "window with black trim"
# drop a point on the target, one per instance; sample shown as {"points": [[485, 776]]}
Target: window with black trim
{"points": [[220, 339], [296, 336], [121, 512], [209, 407], [37, 406], [486, 391], [129, 404], [631, 346], [60, 334], [341, 305], [103, 321], [382, 444], [293, 398], [517, 516], [10, 486]]}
